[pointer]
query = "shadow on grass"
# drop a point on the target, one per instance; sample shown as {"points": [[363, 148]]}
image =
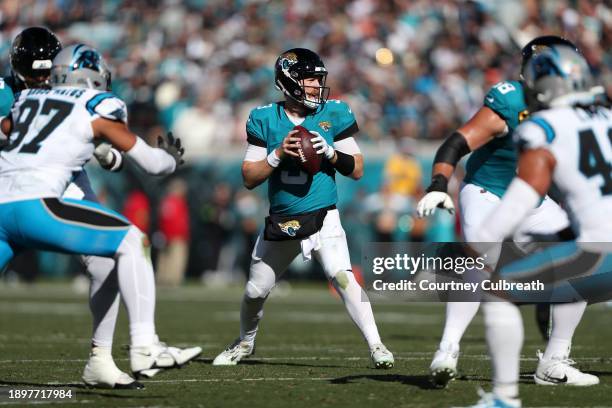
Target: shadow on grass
{"points": [[420, 381], [82, 389]]}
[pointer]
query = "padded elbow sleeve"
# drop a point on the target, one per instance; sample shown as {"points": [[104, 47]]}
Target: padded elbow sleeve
{"points": [[452, 150]]}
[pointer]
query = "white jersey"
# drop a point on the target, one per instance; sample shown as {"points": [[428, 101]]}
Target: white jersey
{"points": [[52, 139], [581, 142]]}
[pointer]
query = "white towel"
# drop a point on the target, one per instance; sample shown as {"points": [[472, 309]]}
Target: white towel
{"points": [[312, 243]]}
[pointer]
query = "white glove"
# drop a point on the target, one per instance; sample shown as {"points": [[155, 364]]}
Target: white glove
{"points": [[428, 204], [321, 146], [108, 157]]}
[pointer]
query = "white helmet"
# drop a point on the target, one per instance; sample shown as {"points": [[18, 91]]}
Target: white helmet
{"points": [[80, 66], [557, 76]]}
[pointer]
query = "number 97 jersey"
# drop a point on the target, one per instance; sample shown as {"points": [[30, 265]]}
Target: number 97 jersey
{"points": [[581, 142], [51, 139]]}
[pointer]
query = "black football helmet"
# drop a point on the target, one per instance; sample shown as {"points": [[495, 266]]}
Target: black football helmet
{"points": [[539, 43], [290, 70], [32, 54]]}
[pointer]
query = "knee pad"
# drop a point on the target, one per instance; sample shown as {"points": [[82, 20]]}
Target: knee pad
{"points": [[261, 281], [502, 314]]}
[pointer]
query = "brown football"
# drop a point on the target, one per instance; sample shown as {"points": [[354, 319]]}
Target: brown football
{"points": [[309, 160]]}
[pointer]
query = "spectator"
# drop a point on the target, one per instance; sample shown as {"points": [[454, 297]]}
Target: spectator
{"points": [[174, 227]]}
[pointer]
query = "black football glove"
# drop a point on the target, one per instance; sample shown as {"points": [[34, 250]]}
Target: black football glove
{"points": [[173, 147]]}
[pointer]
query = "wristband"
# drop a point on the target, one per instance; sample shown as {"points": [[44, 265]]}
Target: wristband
{"points": [[345, 163], [272, 159], [438, 183]]}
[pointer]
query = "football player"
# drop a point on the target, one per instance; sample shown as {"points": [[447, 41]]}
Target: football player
{"points": [[31, 56], [306, 203], [567, 140], [51, 137], [489, 171]]}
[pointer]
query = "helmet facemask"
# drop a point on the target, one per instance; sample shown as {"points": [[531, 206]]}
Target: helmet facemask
{"points": [[311, 99]]}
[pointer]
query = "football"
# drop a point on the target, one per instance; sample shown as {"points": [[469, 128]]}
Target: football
{"points": [[309, 160]]}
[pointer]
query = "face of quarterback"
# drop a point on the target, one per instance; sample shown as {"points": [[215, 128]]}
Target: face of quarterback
{"points": [[312, 88]]}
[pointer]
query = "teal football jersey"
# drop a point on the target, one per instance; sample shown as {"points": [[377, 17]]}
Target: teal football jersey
{"points": [[7, 95], [493, 166], [292, 191]]}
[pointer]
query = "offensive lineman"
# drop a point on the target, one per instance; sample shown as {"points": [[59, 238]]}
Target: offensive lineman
{"points": [[489, 171], [31, 55], [566, 141], [52, 134], [298, 200]]}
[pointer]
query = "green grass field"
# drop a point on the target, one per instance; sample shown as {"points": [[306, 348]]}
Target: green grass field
{"points": [[308, 353]]}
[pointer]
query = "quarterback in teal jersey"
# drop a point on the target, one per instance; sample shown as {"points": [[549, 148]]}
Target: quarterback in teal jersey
{"points": [[489, 171], [303, 215]]}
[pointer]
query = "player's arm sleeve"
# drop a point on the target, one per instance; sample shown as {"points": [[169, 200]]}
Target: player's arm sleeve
{"points": [[346, 123], [255, 153], [254, 131], [348, 145], [108, 106]]}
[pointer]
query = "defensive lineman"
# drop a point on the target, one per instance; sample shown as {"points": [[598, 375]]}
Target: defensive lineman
{"points": [[52, 134], [296, 197], [489, 171], [31, 57], [566, 141]]}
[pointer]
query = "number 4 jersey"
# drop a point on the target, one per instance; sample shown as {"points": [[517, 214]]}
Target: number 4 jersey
{"points": [[291, 190], [581, 142], [51, 139]]}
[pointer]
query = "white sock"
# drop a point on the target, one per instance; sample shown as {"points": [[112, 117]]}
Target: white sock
{"points": [[251, 312], [565, 319], [137, 287], [103, 299], [459, 315], [357, 305], [504, 330]]}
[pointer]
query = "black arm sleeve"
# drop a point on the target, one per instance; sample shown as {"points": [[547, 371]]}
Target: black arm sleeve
{"points": [[345, 163], [452, 150]]}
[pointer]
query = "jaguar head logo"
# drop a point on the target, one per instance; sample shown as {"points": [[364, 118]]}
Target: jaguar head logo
{"points": [[325, 125], [290, 227]]}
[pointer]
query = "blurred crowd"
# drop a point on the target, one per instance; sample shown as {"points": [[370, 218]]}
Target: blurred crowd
{"points": [[408, 68], [412, 71]]}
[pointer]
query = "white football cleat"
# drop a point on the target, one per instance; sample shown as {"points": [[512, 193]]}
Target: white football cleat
{"points": [[235, 352], [150, 360], [490, 400], [559, 371], [443, 368], [381, 356], [101, 372]]}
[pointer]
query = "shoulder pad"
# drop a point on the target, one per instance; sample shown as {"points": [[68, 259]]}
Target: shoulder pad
{"points": [[108, 106]]}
